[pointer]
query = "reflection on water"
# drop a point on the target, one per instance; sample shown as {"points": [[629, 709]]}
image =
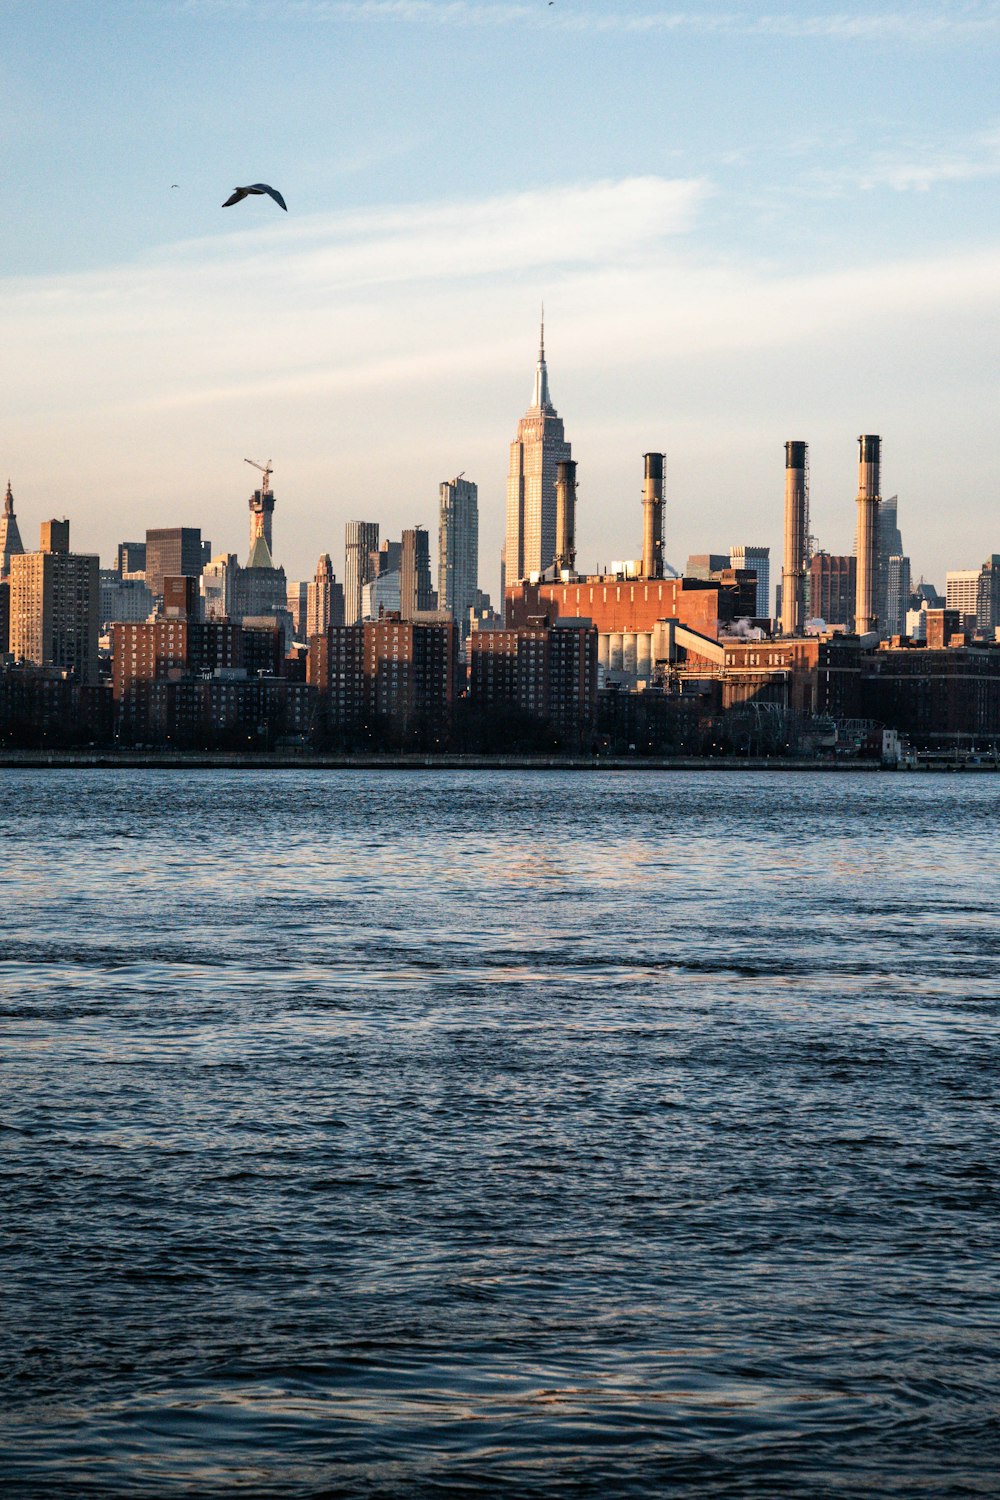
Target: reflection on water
{"points": [[414, 1134]]}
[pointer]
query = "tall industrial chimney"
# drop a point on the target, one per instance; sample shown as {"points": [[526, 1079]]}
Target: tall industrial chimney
{"points": [[565, 514], [652, 516], [793, 582], [869, 499]]}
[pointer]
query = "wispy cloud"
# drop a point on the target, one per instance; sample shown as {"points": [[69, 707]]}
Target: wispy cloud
{"points": [[374, 354], [919, 25], [922, 170], [208, 305]]}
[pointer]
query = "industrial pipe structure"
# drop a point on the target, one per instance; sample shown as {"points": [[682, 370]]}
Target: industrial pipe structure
{"points": [[869, 500], [565, 557], [652, 516], [793, 579]]}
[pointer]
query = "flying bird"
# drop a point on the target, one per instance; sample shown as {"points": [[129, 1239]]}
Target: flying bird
{"points": [[175, 184], [256, 189]]}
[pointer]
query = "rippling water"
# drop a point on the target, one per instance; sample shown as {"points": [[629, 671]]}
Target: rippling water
{"points": [[553, 1134]]}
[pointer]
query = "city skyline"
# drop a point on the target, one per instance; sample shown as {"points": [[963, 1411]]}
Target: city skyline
{"points": [[763, 253]]}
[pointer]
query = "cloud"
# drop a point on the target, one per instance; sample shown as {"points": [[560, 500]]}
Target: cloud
{"points": [[206, 305], [928, 24], [372, 355], [980, 157]]}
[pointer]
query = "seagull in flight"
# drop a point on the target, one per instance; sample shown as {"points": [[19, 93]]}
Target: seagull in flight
{"points": [[256, 189]]}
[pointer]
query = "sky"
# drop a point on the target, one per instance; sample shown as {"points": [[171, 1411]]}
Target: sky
{"points": [[747, 223]]}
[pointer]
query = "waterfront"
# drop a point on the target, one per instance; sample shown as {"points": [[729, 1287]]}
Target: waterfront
{"points": [[413, 1133]]}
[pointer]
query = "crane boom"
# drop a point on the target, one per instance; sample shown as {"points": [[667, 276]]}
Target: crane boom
{"points": [[266, 470]]}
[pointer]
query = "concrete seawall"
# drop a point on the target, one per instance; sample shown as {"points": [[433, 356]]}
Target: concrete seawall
{"points": [[173, 760]]}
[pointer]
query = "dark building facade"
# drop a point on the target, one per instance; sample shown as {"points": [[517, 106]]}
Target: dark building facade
{"points": [[548, 672], [832, 586], [390, 676], [173, 550], [415, 592]]}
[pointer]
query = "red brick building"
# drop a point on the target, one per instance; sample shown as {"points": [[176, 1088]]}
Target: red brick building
{"points": [[547, 671], [635, 604], [390, 671]]}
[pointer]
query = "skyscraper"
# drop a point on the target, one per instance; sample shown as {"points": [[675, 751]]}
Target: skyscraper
{"points": [[962, 591], [832, 588], [756, 560], [54, 605], [360, 543], [10, 537], [415, 593], [458, 549], [890, 544], [262, 509], [531, 481], [325, 604], [172, 550], [218, 582], [897, 595], [988, 610]]}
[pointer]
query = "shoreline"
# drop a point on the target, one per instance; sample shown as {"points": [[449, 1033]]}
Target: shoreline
{"points": [[175, 760]]}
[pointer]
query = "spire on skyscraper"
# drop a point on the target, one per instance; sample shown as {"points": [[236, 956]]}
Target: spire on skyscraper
{"points": [[10, 537], [535, 453], [541, 397]]}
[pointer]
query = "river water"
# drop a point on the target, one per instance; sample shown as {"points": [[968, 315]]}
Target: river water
{"points": [[535, 1134]]}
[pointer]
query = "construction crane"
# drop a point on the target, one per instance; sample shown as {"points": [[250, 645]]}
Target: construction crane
{"points": [[266, 470]]}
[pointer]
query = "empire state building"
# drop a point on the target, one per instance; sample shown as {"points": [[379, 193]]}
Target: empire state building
{"points": [[531, 482]]}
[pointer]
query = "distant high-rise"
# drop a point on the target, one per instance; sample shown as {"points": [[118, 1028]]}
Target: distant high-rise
{"points": [[897, 595], [381, 596], [172, 550], [218, 581], [832, 588], [975, 592], [262, 511], [415, 590], [531, 482], [388, 559], [988, 607], [890, 544], [325, 605], [458, 549], [962, 591], [260, 589], [756, 560], [297, 595], [10, 537], [704, 564], [131, 562], [123, 598], [55, 605], [360, 545]]}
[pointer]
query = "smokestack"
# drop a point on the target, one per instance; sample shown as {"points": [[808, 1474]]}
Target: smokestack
{"points": [[652, 516], [866, 550], [565, 514], [793, 580]]}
